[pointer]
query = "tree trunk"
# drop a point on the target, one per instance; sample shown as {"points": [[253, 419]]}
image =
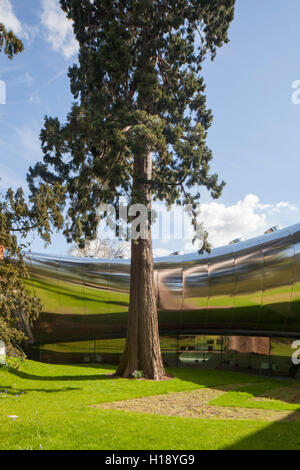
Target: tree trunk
{"points": [[142, 350]]}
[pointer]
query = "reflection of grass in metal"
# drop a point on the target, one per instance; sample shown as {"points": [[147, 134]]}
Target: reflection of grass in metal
{"points": [[279, 294], [78, 299], [201, 302], [281, 348], [109, 345], [113, 345], [198, 302], [47, 298]]}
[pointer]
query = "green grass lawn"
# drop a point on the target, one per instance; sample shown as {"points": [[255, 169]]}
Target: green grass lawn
{"points": [[244, 398], [51, 403]]}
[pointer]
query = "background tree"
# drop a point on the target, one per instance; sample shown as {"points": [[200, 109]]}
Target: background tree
{"points": [[137, 128], [9, 43], [18, 218]]}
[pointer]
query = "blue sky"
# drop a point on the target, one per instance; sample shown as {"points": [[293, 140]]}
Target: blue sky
{"points": [[255, 136]]}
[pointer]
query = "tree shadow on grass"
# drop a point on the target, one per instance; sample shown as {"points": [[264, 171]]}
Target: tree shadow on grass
{"points": [[280, 435], [60, 378], [281, 396], [16, 392], [213, 379]]}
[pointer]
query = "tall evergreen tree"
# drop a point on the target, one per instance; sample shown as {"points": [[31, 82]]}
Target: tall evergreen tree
{"points": [[137, 127]]}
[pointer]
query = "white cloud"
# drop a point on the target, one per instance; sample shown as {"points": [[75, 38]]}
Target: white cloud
{"points": [[247, 218], [8, 17], [12, 23], [283, 206], [59, 29]]}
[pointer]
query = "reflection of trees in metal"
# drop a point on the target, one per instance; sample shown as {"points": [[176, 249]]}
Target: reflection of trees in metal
{"points": [[103, 248], [248, 288]]}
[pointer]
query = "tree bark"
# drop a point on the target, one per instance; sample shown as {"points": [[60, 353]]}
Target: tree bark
{"points": [[142, 349]]}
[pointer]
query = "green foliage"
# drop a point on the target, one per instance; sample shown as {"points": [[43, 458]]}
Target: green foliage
{"points": [[138, 89], [18, 219], [138, 374], [9, 43]]}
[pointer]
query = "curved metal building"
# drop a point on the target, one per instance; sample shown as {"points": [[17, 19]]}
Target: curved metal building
{"points": [[246, 288]]}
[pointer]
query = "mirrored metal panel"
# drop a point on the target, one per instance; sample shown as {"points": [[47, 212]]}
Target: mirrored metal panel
{"points": [[118, 296], [96, 287], [278, 253], [69, 322], [221, 284], [44, 281], [170, 293], [96, 295], [248, 273], [170, 287], [195, 292], [250, 286], [293, 321], [71, 285]]}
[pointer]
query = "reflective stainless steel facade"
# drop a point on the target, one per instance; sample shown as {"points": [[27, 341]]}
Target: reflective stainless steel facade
{"points": [[247, 288]]}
